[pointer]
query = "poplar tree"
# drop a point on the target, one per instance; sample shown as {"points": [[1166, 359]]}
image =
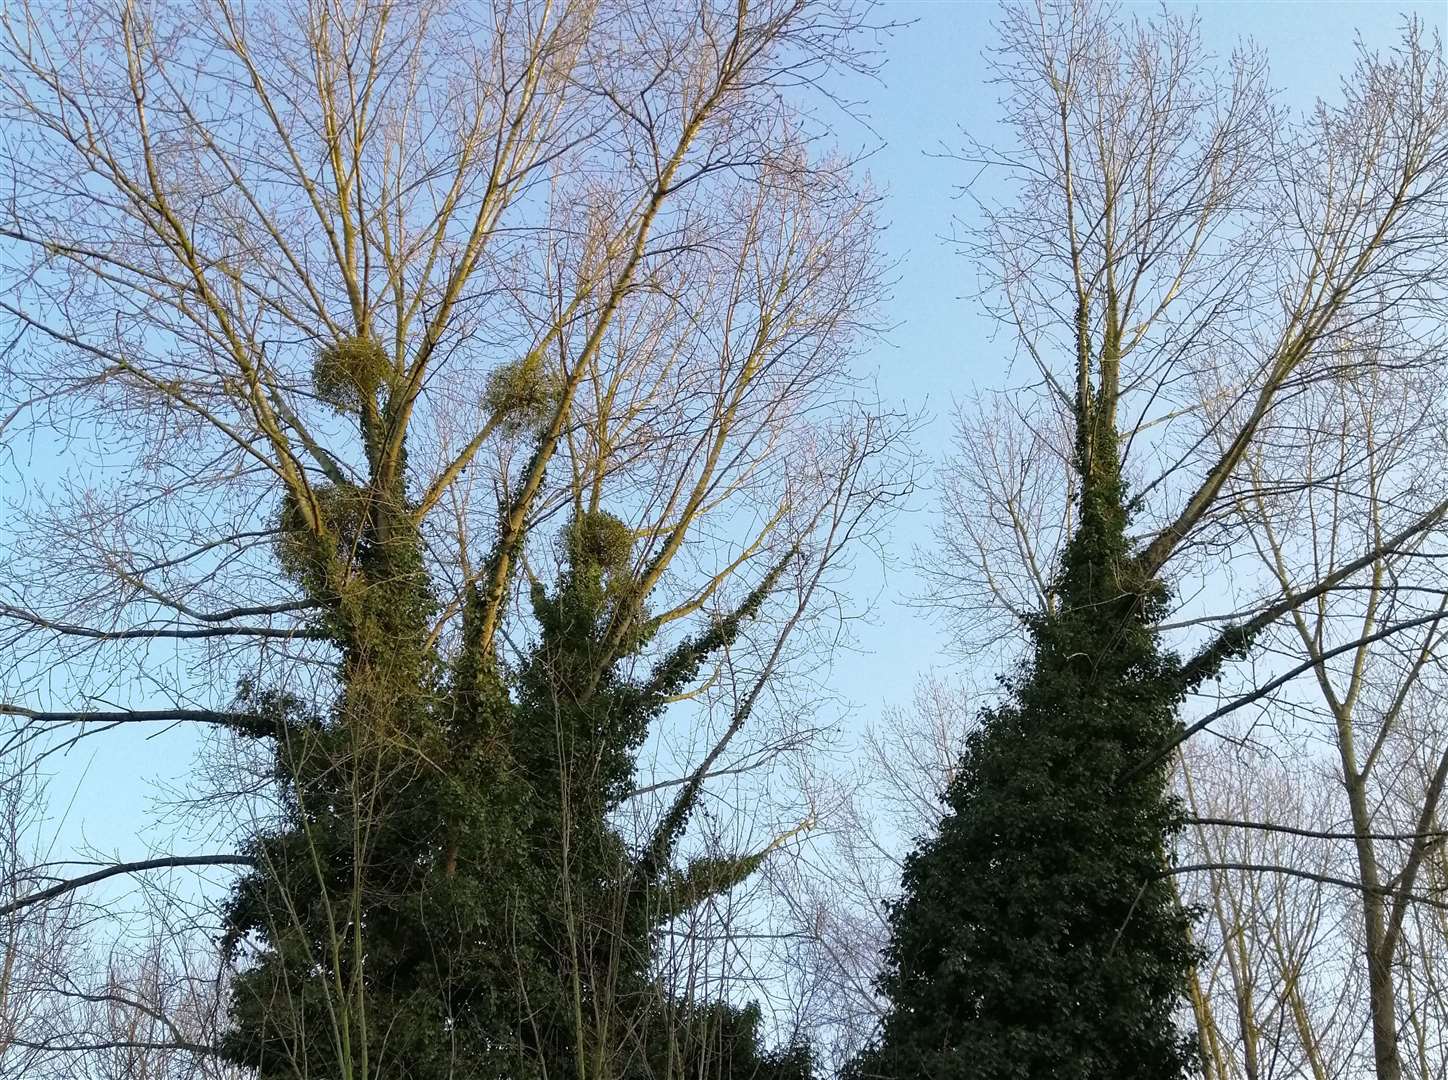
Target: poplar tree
{"points": [[1179, 260], [458, 379]]}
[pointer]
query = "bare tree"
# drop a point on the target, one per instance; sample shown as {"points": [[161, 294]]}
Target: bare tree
{"points": [[831, 895], [1373, 433], [1279, 991], [39, 942]]}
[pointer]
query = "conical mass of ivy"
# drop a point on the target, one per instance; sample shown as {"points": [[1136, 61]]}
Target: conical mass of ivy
{"points": [[1038, 935], [446, 895]]}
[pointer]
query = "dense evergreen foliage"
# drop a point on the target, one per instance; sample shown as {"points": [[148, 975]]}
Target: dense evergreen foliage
{"points": [[448, 895], [1038, 935]]}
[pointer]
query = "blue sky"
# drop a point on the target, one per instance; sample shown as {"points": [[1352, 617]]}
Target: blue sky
{"points": [[931, 87]]}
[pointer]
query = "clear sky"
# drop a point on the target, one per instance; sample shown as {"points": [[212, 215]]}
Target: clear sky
{"points": [[931, 87]]}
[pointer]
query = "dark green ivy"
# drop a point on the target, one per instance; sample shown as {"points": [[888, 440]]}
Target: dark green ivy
{"points": [[1038, 936]]}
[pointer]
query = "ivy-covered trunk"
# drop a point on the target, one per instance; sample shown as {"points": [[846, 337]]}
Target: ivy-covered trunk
{"points": [[1038, 934]]}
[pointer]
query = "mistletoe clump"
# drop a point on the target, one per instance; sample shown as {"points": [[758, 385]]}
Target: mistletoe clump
{"points": [[522, 395], [348, 373]]}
